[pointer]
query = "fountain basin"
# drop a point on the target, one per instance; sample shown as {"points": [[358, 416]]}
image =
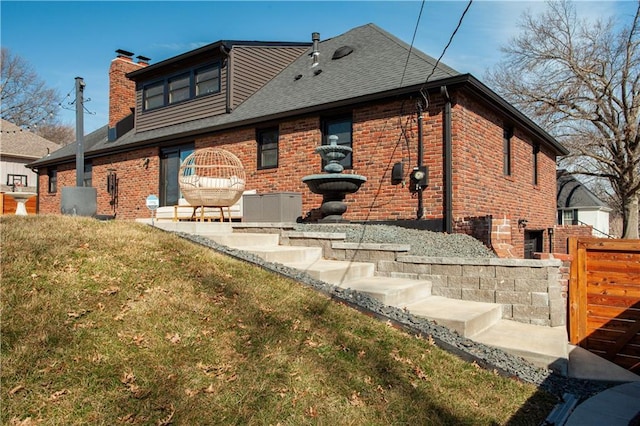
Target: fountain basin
{"points": [[338, 183]]}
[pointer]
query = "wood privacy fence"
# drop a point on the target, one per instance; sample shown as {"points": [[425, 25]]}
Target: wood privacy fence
{"points": [[604, 299], [8, 204]]}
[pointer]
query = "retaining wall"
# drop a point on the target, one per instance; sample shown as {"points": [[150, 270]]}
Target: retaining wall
{"points": [[530, 291]]}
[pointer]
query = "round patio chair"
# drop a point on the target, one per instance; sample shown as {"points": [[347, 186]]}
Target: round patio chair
{"points": [[211, 177]]}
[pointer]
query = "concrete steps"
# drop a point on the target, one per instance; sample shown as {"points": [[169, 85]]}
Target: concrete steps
{"points": [[546, 347]]}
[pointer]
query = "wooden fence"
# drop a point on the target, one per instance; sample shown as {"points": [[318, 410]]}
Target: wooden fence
{"points": [[604, 299], [8, 204]]}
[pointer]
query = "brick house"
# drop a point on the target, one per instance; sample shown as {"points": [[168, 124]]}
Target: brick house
{"points": [[491, 171]]}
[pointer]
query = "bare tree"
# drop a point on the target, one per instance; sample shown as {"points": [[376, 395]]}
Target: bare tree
{"points": [[58, 133], [25, 100], [581, 80]]}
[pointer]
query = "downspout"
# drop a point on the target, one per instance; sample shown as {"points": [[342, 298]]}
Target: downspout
{"points": [[38, 188], [448, 162], [227, 52], [420, 211]]}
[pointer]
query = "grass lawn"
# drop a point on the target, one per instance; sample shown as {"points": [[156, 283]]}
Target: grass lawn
{"points": [[107, 323]]}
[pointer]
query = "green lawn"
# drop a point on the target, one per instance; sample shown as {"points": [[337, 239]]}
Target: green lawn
{"points": [[109, 323]]}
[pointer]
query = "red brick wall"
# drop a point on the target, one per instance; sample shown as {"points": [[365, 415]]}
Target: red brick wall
{"points": [[480, 186], [136, 180], [563, 232], [383, 134]]}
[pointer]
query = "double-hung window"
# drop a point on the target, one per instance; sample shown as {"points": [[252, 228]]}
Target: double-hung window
{"points": [[207, 80], [154, 95], [179, 88], [88, 174], [267, 148], [52, 175], [340, 127]]}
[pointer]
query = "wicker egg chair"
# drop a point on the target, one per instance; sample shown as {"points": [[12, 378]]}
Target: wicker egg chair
{"points": [[211, 177]]}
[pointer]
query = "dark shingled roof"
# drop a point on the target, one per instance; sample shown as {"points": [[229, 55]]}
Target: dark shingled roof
{"points": [[375, 69], [93, 139], [574, 195]]}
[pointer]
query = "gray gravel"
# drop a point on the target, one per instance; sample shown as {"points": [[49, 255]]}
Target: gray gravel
{"points": [[431, 245], [423, 243]]}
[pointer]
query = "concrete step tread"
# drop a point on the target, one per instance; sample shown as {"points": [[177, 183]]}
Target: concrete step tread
{"points": [[389, 290], [543, 346], [272, 249], [334, 271], [324, 264], [283, 254], [526, 337], [466, 317], [239, 240], [444, 307]]}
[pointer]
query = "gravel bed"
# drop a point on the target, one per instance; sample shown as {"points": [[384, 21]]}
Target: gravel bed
{"points": [[487, 357], [423, 243]]}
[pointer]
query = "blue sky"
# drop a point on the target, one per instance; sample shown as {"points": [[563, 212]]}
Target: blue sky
{"points": [[64, 40]]}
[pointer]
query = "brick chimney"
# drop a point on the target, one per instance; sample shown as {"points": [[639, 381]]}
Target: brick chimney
{"points": [[122, 91]]}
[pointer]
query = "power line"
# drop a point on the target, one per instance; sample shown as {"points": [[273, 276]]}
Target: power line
{"points": [[449, 43], [415, 31]]}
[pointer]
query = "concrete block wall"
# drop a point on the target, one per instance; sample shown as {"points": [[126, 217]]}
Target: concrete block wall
{"points": [[529, 291]]}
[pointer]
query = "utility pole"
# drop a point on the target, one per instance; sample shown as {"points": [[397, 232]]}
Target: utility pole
{"points": [[79, 131]]}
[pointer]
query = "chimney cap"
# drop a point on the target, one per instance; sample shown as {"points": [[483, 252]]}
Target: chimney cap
{"points": [[143, 58], [124, 53]]}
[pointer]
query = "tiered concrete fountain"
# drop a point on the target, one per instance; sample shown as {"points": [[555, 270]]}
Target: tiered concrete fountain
{"points": [[333, 185]]}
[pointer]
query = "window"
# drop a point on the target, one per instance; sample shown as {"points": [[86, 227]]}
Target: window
{"points": [[52, 175], [536, 151], [154, 95], [340, 127], [184, 86], [16, 180], [88, 174], [179, 88], [569, 217], [207, 80], [267, 148], [506, 150]]}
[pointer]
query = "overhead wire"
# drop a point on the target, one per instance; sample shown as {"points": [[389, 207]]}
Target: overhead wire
{"points": [[403, 131]]}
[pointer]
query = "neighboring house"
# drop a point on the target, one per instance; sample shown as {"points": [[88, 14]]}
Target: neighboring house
{"points": [[271, 104], [579, 206], [19, 147]]}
